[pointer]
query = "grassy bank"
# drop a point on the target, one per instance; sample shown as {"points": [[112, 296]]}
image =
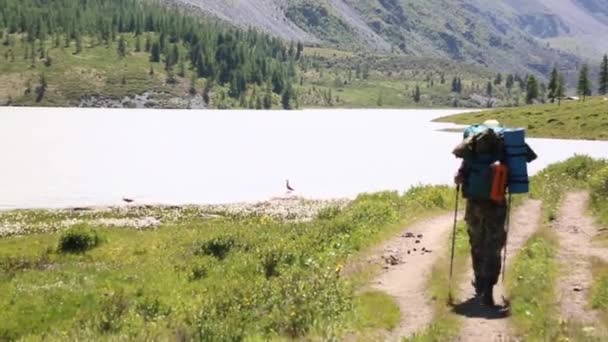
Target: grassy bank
{"points": [[201, 277], [571, 120], [534, 273]]}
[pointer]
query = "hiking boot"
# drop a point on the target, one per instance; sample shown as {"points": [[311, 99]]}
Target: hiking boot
{"points": [[488, 296], [478, 285]]}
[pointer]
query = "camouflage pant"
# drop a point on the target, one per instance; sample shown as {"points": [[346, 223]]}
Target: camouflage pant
{"points": [[486, 227]]}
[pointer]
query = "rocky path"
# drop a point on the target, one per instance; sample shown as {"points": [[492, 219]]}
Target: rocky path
{"points": [[408, 264], [575, 230], [486, 324]]}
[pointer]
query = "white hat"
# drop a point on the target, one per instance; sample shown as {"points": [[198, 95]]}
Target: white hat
{"points": [[492, 123]]}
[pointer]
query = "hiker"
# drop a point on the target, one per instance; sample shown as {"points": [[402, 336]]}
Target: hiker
{"points": [[484, 178]]}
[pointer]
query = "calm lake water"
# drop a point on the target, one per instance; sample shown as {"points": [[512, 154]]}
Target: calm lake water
{"points": [[78, 157]]}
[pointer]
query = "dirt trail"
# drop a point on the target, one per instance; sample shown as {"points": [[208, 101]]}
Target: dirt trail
{"points": [[409, 260], [483, 324], [576, 230]]}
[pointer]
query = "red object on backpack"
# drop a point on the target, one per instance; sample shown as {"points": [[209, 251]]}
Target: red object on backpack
{"points": [[500, 180]]}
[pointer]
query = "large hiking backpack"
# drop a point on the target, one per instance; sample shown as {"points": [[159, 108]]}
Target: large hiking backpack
{"points": [[503, 145]]}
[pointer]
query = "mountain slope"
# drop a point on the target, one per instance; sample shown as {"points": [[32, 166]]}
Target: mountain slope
{"points": [[505, 34]]}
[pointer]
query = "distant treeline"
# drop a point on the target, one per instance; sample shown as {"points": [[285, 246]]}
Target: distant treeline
{"points": [[216, 52]]}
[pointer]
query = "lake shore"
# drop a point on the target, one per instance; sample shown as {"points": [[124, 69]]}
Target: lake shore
{"points": [[151, 216]]}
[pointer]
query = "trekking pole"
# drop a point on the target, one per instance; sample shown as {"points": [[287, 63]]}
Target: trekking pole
{"points": [[450, 299], [507, 223]]}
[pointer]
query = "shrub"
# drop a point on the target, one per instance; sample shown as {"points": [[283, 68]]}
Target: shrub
{"points": [[152, 309], [218, 247], [78, 239], [112, 310], [329, 213], [599, 184]]}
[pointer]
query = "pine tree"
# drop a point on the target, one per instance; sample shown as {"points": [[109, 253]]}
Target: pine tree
{"points": [[300, 49], [553, 85], [417, 94], [286, 97], [603, 88], [182, 68], [41, 88], [192, 89], [489, 89], [584, 85], [455, 85], [267, 101], [510, 82], [561, 89], [258, 103], [498, 79], [138, 43], [531, 90], [155, 53]]}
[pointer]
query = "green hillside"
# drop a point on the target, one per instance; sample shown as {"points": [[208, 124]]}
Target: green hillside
{"points": [[571, 120]]}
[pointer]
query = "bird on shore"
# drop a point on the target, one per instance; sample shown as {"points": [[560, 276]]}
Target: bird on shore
{"points": [[128, 200], [288, 186]]}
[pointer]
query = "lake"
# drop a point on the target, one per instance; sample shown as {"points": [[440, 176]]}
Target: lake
{"points": [[57, 157]]}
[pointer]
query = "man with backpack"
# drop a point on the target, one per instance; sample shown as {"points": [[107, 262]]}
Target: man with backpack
{"points": [[494, 159]]}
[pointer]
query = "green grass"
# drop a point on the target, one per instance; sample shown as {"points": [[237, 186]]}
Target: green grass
{"points": [[376, 310], [531, 281], [599, 194], [222, 278], [532, 278], [571, 120]]}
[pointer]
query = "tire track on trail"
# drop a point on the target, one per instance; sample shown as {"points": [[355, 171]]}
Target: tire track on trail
{"points": [[491, 324], [409, 261], [575, 230]]}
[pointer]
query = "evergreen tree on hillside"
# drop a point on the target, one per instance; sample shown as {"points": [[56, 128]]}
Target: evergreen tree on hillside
{"points": [[553, 85], [456, 85], [531, 89], [489, 89], [498, 79], [583, 88], [300, 49], [216, 51], [603, 88], [561, 89], [417, 94], [192, 89], [286, 97], [267, 101], [510, 82], [41, 88], [155, 52], [138, 43]]}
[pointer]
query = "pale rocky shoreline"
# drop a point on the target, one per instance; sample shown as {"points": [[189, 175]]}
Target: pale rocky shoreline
{"points": [[147, 217]]}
